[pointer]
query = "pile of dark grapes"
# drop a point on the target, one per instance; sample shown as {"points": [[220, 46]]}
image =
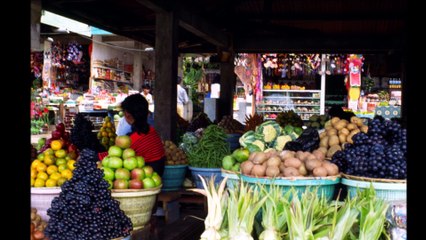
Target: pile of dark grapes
{"points": [[82, 134], [85, 208], [381, 153]]}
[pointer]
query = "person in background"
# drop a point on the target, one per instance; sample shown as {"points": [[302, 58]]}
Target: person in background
{"points": [[337, 111], [182, 97], [146, 89], [145, 140]]}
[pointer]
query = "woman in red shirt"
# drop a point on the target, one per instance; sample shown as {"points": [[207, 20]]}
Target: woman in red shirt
{"points": [[145, 140]]}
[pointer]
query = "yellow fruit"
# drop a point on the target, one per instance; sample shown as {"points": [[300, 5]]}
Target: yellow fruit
{"points": [[70, 164], [35, 163], [56, 144], [60, 181], [108, 130], [49, 151], [32, 182], [33, 173], [66, 174], [51, 183], [104, 134], [111, 134], [39, 183], [42, 175], [40, 156], [51, 169], [109, 124], [62, 167], [49, 160], [55, 176], [61, 153], [41, 167], [60, 161]]}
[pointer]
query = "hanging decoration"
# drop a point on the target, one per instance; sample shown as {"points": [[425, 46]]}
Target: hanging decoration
{"points": [[74, 52], [353, 80]]}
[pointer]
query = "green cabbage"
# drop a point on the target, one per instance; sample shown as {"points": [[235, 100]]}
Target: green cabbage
{"points": [[247, 138]]}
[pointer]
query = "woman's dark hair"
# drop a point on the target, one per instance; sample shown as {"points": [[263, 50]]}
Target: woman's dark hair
{"points": [[179, 80], [137, 106]]}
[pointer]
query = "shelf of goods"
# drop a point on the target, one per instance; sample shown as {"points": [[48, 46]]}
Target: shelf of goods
{"points": [[102, 73], [95, 116], [304, 102]]}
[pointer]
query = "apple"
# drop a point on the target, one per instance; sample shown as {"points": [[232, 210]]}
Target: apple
{"points": [[72, 155], [122, 173], [137, 173], [105, 161], [135, 184], [148, 183], [155, 174], [115, 151], [123, 141], [130, 163], [108, 173], [148, 171], [141, 161], [157, 180], [121, 184], [128, 152], [72, 148], [115, 162]]}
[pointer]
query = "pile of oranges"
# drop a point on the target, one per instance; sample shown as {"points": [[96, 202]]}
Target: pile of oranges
{"points": [[52, 167]]}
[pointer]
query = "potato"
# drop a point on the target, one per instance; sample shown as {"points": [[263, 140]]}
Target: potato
{"points": [[302, 170], [355, 131], [310, 164], [323, 150], [341, 124], [246, 167], [333, 150], [319, 154], [310, 156], [331, 132], [259, 158], [292, 162], [300, 155], [334, 120], [273, 162], [364, 128], [323, 134], [272, 171], [344, 130], [349, 138], [282, 167], [332, 169], [291, 172], [351, 126], [356, 120], [258, 171], [320, 172], [324, 142], [286, 154], [333, 140], [342, 138]]}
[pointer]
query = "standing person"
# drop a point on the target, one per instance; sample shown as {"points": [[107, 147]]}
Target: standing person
{"points": [[146, 89], [182, 97], [145, 140]]}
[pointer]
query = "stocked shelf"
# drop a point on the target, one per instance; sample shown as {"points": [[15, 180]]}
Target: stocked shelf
{"points": [[111, 80], [111, 68], [301, 91]]}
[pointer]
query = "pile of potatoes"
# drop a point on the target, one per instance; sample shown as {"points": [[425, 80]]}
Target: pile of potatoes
{"points": [[338, 132], [288, 164], [37, 226], [174, 155]]}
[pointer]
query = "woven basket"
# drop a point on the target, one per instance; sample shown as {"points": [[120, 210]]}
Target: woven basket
{"points": [[137, 204], [386, 189], [41, 199]]}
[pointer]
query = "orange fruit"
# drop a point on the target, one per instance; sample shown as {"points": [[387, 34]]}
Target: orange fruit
{"points": [[33, 173], [51, 169], [61, 153], [62, 167], [39, 182], [35, 163], [60, 181], [60, 161], [42, 176], [104, 134], [32, 182], [55, 176], [66, 174], [41, 167], [70, 164], [51, 183], [40, 156], [49, 160], [56, 144], [49, 151]]}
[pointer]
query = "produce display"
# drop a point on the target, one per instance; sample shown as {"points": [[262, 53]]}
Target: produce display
{"points": [[288, 164], [317, 121], [189, 140], [289, 118], [210, 149], [338, 132], [307, 141], [252, 121], [85, 208], [37, 226], [54, 166], [379, 153], [230, 125], [199, 121], [267, 136], [232, 162], [174, 155], [106, 134], [124, 170], [58, 134]]}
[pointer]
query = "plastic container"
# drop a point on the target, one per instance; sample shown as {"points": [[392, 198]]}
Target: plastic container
{"points": [[233, 178], [173, 177], [234, 141], [384, 190], [325, 185], [137, 204], [206, 173], [41, 199]]}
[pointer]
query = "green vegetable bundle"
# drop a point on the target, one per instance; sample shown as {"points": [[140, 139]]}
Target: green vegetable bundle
{"points": [[211, 149]]}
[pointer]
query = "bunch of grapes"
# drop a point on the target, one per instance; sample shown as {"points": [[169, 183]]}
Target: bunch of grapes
{"points": [[381, 153], [82, 134], [85, 208]]}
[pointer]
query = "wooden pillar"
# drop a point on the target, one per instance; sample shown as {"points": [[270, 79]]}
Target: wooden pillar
{"points": [[165, 75], [227, 87]]}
